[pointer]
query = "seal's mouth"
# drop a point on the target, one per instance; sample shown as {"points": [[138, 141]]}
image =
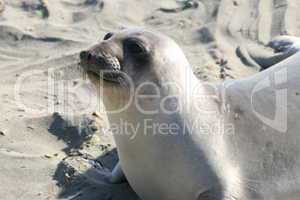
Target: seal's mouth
{"points": [[106, 66]]}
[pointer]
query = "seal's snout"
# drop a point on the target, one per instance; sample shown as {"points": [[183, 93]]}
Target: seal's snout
{"points": [[85, 56], [90, 58]]}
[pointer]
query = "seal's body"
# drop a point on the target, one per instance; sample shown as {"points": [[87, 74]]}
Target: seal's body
{"points": [[179, 138]]}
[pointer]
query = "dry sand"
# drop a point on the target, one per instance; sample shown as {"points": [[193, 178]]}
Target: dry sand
{"points": [[50, 144]]}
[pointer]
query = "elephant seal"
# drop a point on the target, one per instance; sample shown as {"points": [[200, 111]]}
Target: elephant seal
{"points": [[277, 50], [180, 138]]}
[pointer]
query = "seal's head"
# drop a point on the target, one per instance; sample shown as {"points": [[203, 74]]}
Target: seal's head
{"points": [[135, 55]]}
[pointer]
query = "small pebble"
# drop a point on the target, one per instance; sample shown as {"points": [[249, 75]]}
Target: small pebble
{"points": [[75, 83], [2, 133], [236, 116], [67, 175], [48, 156], [192, 4], [94, 128], [95, 114]]}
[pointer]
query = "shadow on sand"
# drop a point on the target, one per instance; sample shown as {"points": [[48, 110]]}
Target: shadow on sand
{"points": [[74, 174]]}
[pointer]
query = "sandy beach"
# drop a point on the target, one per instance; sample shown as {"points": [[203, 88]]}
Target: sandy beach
{"points": [[52, 136]]}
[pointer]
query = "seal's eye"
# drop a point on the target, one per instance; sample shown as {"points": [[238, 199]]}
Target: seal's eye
{"points": [[134, 47], [108, 35]]}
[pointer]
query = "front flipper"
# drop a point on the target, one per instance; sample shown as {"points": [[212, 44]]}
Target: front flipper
{"points": [[284, 43], [262, 57], [117, 175], [105, 177], [212, 194]]}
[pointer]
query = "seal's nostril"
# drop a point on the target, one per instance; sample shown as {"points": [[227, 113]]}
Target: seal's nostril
{"points": [[83, 55], [86, 56], [89, 56]]}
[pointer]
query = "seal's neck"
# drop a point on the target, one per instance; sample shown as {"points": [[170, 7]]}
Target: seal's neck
{"points": [[180, 95]]}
